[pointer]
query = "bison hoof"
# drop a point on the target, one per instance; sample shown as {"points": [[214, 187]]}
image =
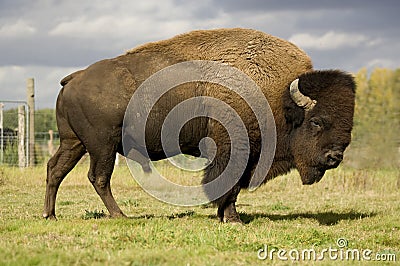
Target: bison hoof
{"points": [[229, 214], [49, 216], [233, 220]]}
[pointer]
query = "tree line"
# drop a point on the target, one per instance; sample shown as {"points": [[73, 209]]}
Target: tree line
{"points": [[376, 138]]}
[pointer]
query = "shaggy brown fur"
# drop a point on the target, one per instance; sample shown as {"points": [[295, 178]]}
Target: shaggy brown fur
{"points": [[92, 103]]}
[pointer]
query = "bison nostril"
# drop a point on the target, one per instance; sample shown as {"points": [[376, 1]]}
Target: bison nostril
{"points": [[333, 158]]}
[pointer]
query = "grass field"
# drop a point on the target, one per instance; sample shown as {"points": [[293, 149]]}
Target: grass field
{"points": [[360, 206]]}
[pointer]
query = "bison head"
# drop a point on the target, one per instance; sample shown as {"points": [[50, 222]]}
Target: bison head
{"points": [[319, 111]]}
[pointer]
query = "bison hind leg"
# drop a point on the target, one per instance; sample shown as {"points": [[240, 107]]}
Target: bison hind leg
{"points": [[67, 156]]}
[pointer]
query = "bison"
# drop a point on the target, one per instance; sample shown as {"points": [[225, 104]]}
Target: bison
{"points": [[313, 112]]}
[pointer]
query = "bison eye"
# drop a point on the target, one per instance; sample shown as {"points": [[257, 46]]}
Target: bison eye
{"points": [[315, 123]]}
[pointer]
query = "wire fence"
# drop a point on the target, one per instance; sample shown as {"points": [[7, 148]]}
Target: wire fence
{"points": [[14, 138], [46, 144], [14, 123]]}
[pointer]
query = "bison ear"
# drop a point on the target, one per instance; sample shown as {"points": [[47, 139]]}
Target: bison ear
{"points": [[294, 115]]}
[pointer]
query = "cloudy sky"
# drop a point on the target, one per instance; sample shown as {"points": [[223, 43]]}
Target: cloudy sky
{"points": [[48, 39]]}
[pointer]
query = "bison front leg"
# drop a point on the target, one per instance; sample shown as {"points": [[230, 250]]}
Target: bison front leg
{"points": [[227, 206], [226, 203], [101, 168]]}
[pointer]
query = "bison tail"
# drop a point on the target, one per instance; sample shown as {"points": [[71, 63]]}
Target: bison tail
{"points": [[68, 78]]}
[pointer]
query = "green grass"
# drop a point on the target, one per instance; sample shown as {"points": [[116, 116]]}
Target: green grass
{"points": [[362, 206]]}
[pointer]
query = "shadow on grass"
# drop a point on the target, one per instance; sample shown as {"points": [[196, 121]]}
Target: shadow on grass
{"points": [[169, 217], [323, 218], [101, 215]]}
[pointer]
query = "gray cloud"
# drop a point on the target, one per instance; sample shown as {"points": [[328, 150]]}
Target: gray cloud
{"points": [[301, 6]]}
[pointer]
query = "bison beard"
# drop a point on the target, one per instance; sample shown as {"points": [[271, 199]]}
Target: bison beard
{"points": [[313, 111]]}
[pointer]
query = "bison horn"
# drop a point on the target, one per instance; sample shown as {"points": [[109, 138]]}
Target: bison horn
{"points": [[300, 99]]}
